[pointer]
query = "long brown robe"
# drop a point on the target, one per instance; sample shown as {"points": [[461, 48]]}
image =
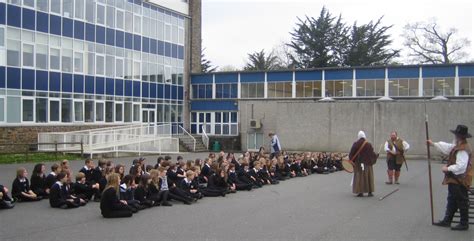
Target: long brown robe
{"points": [[363, 181]]}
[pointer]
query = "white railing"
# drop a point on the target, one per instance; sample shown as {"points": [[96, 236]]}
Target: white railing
{"points": [[179, 130], [150, 138], [205, 137]]}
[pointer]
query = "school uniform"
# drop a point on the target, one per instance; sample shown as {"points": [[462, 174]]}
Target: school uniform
{"points": [[6, 202], [59, 196], [111, 207], [258, 180], [206, 171], [233, 179], [218, 183], [22, 185], [83, 190], [141, 194], [188, 185], [50, 180], [88, 172], [174, 192], [38, 185], [297, 168], [128, 194]]}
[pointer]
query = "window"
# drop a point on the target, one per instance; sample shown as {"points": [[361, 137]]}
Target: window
{"points": [[254, 141], [66, 111], [466, 86], [13, 53], [90, 11], [438, 86], [54, 59], [99, 111], [29, 3], [54, 113], [403, 87], [120, 19], [16, 2], [168, 32], [110, 66], [90, 63], [279, 89], [89, 111], [42, 5], [119, 68], [42, 56], [128, 112], [68, 8], [2, 37], [100, 14], [252, 90], [110, 17], [308, 89], [41, 110], [339, 88], [28, 110], [100, 65], [56, 6], [136, 69], [128, 22], [118, 112], [79, 9], [225, 123], [202, 91], [370, 87], [109, 111], [28, 55], [226, 91], [137, 27], [136, 112], [67, 60], [78, 111], [78, 62], [14, 113]]}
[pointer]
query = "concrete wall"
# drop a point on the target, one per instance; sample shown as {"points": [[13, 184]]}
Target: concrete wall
{"points": [[195, 11], [333, 126]]}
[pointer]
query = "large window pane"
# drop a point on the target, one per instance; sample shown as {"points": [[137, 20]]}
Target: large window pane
{"points": [[54, 106], [13, 109], [128, 112], [28, 114], [136, 113], [54, 59], [118, 112], [2, 109], [120, 19], [66, 60], [109, 111], [129, 22], [137, 27], [100, 14], [90, 11], [42, 56], [110, 66], [79, 9], [42, 5], [56, 6], [28, 55], [68, 8], [99, 111], [78, 111], [13, 53], [100, 65], [110, 17], [78, 62], [89, 111], [29, 3], [66, 110], [41, 110]]}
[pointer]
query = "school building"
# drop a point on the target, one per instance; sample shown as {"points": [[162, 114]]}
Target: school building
{"points": [[70, 65]]}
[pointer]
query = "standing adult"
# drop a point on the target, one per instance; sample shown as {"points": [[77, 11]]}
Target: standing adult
{"points": [[275, 146], [458, 176], [363, 155], [395, 147]]}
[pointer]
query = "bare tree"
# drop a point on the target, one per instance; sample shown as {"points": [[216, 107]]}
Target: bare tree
{"points": [[428, 43], [283, 52]]}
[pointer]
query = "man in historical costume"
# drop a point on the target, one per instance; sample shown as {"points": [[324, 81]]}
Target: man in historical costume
{"points": [[395, 148], [458, 177], [275, 146], [363, 155]]}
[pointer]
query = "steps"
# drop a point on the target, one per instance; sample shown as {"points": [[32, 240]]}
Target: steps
{"points": [[187, 143]]}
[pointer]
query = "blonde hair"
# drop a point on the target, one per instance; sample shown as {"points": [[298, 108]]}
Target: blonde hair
{"points": [[113, 181], [155, 177], [189, 173], [20, 171]]}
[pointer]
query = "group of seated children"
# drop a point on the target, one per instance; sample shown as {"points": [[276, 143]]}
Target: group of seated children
{"points": [[147, 186]]}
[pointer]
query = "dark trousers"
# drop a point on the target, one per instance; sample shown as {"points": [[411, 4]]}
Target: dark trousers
{"points": [[125, 212], [457, 199], [392, 164]]}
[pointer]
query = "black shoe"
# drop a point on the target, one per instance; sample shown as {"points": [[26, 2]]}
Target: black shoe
{"points": [[460, 227], [360, 195], [166, 204], [442, 223], [370, 194], [187, 202]]}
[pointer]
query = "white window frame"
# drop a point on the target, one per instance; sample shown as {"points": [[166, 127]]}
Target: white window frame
{"points": [[74, 62], [4, 109], [50, 62], [93, 112], [60, 8], [34, 55], [97, 55], [139, 112], [97, 14], [117, 10], [26, 6], [34, 109], [115, 111], [49, 109], [83, 8]]}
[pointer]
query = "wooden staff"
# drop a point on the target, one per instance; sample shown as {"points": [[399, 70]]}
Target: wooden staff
{"points": [[429, 165]]}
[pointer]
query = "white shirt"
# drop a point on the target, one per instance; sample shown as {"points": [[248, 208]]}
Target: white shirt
{"points": [[462, 157], [406, 146], [276, 141]]}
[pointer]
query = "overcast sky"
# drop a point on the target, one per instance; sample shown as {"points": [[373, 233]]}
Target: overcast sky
{"points": [[233, 28]]}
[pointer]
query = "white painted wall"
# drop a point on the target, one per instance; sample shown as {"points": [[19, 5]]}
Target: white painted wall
{"points": [[176, 5]]}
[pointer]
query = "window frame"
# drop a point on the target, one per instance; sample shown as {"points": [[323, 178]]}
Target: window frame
{"points": [[23, 98], [50, 99]]}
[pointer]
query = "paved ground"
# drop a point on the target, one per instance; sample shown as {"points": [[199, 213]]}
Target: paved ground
{"points": [[318, 207]]}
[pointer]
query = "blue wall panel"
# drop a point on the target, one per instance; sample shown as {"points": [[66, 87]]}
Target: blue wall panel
{"points": [[54, 81], [68, 27], [28, 79], [42, 80], [146, 44], [2, 76], [42, 22], [14, 16], [343, 74], [3, 10], [29, 19], [13, 78], [227, 78], [377, 73], [78, 83], [252, 77], [136, 88], [201, 79], [180, 93], [79, 30], [100, 34], [119, 87], [110, 37], [153, 93], [66, 81], [279, 76], [128, 41], [137, 42], [120, 39], [438, 71], [466, 70], [167, 92], [174, 92], [128, 88], [225, 105], [109, 86], [55, 24], [160, 91], [90, 32], [153, 46], [89, 85], [308, 75], [145, 89], [100, 85], [403, 73]]}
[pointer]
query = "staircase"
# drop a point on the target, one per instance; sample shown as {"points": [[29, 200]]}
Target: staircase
{"points": [[187, 142]]}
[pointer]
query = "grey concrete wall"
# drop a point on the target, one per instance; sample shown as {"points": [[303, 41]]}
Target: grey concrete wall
{"points": [[195, 30], [333, 126]]}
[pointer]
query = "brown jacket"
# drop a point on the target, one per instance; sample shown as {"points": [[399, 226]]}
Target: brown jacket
{"points": [[466, 178]]}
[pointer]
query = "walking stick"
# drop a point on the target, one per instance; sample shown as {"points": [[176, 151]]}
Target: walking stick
{"points": [[429, 165]]}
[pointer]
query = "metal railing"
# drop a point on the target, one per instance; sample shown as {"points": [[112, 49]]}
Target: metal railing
{"points": [[179, 130], [150, 138], [204, 137]]}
